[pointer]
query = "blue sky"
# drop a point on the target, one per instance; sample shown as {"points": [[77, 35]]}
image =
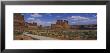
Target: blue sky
{"points": [[46, 19]]}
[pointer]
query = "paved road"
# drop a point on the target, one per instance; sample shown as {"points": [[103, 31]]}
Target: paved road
{"points": [[40, 37]]}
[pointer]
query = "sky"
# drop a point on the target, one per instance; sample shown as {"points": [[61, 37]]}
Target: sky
{"points": [[46, 19]]}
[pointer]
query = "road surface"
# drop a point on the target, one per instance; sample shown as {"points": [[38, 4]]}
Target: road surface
{"points": [[40, 37]]}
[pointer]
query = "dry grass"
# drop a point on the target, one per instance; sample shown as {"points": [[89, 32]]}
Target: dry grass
{"points": [[23, 37]]}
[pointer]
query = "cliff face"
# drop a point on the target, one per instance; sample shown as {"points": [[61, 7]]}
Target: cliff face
{"points": [[19, 23], [31, 26], [61, 24]]}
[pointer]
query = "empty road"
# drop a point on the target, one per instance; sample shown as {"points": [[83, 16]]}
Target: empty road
{"points": [[40, 37]]}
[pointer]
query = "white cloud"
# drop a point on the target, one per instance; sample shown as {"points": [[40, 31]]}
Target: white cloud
{"points": [[82, 20], [44, 23], [78, 18], [65, 19], [40, 22], [36, 15], [91, 21], [49, 22], [31, 18], [73, 22], [58, 16]]}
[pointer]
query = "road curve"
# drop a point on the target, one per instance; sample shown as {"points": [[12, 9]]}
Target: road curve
{"points": [[40, 37]]}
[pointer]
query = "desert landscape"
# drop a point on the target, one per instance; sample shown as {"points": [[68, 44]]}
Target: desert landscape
{"points": [[55, 26]]}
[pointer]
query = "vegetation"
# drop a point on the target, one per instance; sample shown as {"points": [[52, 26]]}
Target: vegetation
{"points": [[68, 35], [17, 33]]}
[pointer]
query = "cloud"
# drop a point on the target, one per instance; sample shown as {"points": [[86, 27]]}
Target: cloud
{"points": [[40, 22], [36, 15], [31, 18], [58, 16], [91, 21], [65, 19], [49, 22], [82, 20], [78, 18], [73, 22], [45, 23]]}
